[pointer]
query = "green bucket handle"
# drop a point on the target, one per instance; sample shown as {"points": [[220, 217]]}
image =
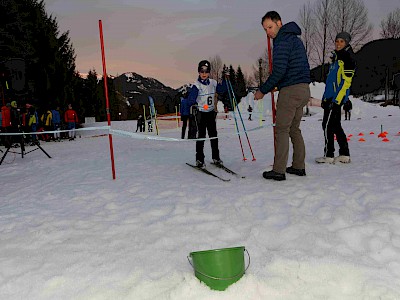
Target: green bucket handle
{"points": [[216, 278]]}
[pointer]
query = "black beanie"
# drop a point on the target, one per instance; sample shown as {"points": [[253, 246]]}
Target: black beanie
{"points": [[345, 36], [204, 63]]}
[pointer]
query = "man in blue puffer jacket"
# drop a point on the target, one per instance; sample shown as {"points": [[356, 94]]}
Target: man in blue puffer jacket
{"points": [[291, 75]]}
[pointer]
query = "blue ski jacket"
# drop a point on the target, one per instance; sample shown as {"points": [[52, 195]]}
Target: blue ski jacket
{"points": [[56, 116], [341, 72], [185, 107], [290, 63]]}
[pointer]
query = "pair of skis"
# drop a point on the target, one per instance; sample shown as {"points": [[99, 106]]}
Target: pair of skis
{"points": [[208, 172]]}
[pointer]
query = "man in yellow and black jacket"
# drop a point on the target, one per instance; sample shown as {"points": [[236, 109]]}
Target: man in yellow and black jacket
{"points": [[336, 93], [46, 121]]}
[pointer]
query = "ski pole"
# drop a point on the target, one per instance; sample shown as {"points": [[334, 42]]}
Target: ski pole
{"points": [[177, 118], [156, 121], [272, 92], [234, 116], [240, 115]]}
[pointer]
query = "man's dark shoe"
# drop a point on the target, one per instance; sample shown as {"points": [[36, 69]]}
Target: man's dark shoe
{"points": [[298, 172], [274, 175]]}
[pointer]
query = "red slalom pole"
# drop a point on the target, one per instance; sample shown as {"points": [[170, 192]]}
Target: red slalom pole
{"points": [[107, 102], [272, 93]]}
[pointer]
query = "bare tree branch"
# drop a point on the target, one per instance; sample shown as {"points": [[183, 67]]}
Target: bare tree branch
{"points": [[390, 27], [216, 67], [323, 16], [307, 24], [333, 17], [263, 71], [351, 16]]}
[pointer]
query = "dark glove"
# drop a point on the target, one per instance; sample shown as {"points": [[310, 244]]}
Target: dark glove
{"points": [[327, 104]]}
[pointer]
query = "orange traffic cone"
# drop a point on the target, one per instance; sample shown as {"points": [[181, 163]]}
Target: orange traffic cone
{"points": [[385, 140], [361, 140]]}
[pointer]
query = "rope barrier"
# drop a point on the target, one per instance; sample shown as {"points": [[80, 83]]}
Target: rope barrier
{"points": [[141, 136], [57, 131], [133, 135]]}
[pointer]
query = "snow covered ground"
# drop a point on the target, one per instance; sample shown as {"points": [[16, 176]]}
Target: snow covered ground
{"points": [[68, 231]]}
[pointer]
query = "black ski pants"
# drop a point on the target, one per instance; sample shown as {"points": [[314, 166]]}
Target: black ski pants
{"points": [[347, 114], [206, 122], [184, 120], [332, 126]]}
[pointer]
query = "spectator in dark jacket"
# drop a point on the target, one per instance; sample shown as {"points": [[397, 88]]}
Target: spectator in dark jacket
{"points": [[15, 119], [33, 123], [250, 110], [56, 122], [291, 75], [347, 107], [185, 112], [140, 124]]}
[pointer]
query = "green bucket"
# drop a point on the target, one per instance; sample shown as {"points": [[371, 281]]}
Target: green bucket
{"points": [[219, 268]]}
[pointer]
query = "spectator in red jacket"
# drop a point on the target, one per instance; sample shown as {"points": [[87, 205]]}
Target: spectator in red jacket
{"points": [[71, 118], [6, 114], [6, 123]]}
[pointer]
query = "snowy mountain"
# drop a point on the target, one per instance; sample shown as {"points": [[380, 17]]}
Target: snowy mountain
{"points": [[137, 89]]}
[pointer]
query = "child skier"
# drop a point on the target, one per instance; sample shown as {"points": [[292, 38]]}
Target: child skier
{"points": [[203, 95]]}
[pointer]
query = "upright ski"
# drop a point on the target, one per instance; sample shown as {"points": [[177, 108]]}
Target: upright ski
{"points": [[228, 170], [205, 171]]}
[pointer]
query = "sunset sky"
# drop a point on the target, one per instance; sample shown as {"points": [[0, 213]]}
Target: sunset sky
{"points": [[165, 39]]}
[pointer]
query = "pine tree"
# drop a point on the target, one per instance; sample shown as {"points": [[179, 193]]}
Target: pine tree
{"points": [[101, 112], [28, 33], [232, 75], [241, 89], [91, 93], [224, 98]]}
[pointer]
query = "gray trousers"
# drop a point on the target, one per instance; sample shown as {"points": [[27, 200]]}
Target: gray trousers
{"points": [[289, 111]]}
